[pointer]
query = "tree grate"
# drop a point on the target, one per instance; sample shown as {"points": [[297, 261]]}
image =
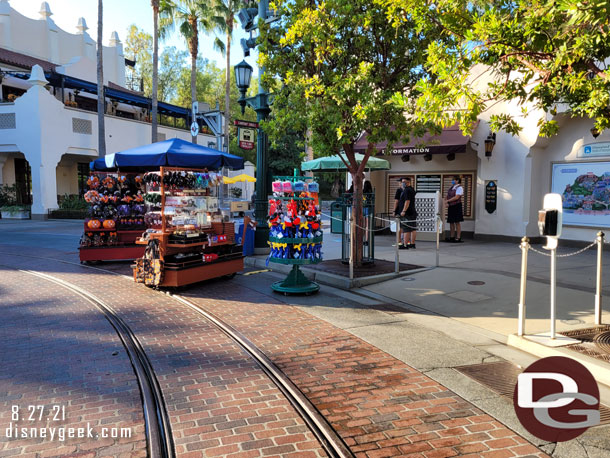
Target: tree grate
{"points": [[501, 378]]}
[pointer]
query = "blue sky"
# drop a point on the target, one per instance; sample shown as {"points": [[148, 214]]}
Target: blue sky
{"points": [[118, 16]]}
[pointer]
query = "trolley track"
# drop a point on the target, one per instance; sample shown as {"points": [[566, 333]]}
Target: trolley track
{"points": [[330, 440], [158, 430]]}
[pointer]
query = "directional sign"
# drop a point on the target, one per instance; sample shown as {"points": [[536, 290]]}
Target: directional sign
{"points": [[194, 129], [240, 123], [246, 138], [491, 196]]}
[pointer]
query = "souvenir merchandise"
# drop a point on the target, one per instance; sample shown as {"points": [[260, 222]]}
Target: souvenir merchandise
{"points": [[295, 230], [182, 217], [116, 217]]}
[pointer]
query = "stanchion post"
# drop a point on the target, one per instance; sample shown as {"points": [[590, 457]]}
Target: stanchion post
{"points": [[525, 246], [439, 225], [598, 279], [396, 251], [553, 290]]}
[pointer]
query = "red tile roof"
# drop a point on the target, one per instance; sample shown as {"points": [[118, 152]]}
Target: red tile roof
{"points": [[24, 61]]}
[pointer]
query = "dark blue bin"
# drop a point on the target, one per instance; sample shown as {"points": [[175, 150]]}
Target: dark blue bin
{"points": [[248, 243]]}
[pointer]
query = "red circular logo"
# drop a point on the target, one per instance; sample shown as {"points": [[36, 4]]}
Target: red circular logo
{"points": [[557, 399]]}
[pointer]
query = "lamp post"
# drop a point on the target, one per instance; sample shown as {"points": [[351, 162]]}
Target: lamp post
{"points": [[260, 104]]}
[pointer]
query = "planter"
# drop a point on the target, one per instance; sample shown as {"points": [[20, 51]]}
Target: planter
{"points": [[24, 214]]}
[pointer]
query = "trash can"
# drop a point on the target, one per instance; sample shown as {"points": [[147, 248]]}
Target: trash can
{"points": [[248, 242]]}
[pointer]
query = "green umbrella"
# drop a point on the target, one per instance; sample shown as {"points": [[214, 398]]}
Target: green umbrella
{"points": [[335, 164]]}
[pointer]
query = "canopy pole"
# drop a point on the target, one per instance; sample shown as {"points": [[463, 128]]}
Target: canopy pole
{"points": [[162, 189]]}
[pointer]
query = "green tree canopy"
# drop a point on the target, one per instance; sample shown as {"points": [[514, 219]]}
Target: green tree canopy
{"points": [[541, 53], [138, 46], [340, 64]]}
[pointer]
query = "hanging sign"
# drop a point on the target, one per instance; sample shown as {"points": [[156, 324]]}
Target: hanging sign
{"points": [[428, 183], [600, 149], [491, 196], [240, 123], [246, 137]]}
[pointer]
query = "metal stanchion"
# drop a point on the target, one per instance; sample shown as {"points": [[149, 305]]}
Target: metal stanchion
{"points": [[397, 254], [553, 290], [439, 226], [351, 246], [598, 280], [525, 245]]}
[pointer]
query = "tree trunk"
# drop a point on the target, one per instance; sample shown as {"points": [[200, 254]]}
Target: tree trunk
{"points": [[194, 86], [357, 173], [228, 84], [357, 214], [194, 48], [155, 75], [101, 109]]}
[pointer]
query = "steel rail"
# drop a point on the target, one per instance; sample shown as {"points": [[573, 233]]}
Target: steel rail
{"points": [[156, 419], [330, 440], [332, 443]]}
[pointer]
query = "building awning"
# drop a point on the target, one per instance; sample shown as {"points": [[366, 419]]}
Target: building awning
{"points": [[117, 93], [449, 141]]}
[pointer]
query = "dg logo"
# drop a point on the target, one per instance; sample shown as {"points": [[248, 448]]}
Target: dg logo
{"points": [[557, 399]]}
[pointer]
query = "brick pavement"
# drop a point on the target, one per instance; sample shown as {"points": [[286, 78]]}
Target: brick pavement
{"points": [[56, 349], [379, 405], [219, 401]]}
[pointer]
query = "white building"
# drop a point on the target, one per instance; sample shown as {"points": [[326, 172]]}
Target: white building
{"points": [[523, 168], [48, 107]]}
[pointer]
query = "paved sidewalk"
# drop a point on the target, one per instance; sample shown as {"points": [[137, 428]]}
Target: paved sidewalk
{"points": [[420, 339], [219, 400], [63, 366], [379, 405]]}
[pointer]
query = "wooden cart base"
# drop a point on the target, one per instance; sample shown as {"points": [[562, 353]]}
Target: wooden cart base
{"points": [[115, 253], [174, 278]]}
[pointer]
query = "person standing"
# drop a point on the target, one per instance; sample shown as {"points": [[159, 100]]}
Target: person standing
{"points": [[398, 206], [410, 215], [455, 213]]}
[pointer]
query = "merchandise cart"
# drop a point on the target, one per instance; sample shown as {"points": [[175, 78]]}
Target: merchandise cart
{"points": [[295, 235]]}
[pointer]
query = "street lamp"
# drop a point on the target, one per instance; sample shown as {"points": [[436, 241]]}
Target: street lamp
{"points": [[490, 142], [260, 104], [243, 75]]}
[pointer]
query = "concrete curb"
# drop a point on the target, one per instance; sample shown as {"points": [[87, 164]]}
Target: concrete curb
{"points": [[329, 279], [599, 369]]}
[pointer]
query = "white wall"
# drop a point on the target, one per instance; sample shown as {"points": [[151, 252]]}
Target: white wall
{"points": [[41, 38], [573, 134], [44, 133]]}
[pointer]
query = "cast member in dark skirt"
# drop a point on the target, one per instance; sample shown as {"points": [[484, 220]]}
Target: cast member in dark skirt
{"points": [[455, 214]]}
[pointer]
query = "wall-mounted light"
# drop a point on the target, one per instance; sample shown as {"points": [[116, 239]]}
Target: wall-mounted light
{"points": [[427, 157], [490, 142], [595, 132], [451, 157], [405, 158]]}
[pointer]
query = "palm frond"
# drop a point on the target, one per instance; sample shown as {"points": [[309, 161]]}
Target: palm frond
{"points": [[219, 46]]}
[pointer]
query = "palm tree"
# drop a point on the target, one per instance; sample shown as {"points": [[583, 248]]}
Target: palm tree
{"points": [[188, 16], [223, 18], [155, 75], [100, 84]]}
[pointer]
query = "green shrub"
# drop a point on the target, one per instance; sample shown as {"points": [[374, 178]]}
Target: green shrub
{"points": [[8, 195], [73, 202]]}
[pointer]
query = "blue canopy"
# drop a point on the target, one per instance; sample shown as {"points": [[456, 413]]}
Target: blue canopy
{"points": [[169, 153]]}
